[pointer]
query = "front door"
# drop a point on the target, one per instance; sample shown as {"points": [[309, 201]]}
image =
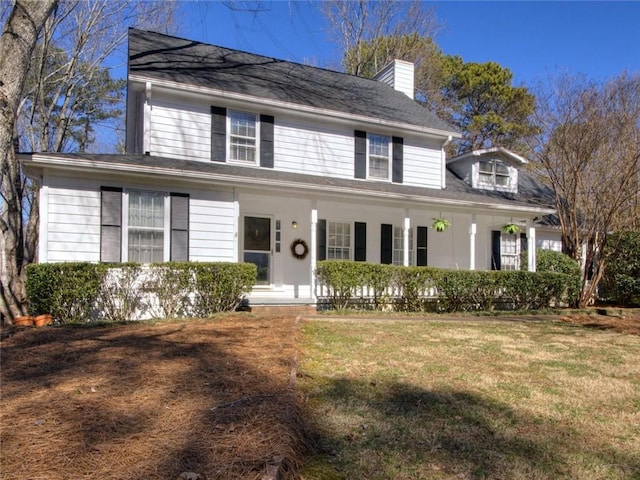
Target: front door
{"points": [[257, 246]]}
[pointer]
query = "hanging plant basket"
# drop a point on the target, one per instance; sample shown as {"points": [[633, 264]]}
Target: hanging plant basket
{"points": [[510, 229], [440, 224]]}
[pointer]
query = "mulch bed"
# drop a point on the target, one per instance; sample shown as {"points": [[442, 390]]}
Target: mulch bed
{"points": [[624, 321], [200, 399]]}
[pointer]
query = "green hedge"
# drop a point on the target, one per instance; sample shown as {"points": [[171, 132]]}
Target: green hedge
{"points": [[417, 289], [621, 281], [81, 292]]}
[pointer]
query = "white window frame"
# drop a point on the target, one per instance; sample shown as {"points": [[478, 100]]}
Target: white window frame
{"points": [[398, 253], [331, 249], [256, 139], [166, 229], [509, 251], [492, 183], [371, 157]]}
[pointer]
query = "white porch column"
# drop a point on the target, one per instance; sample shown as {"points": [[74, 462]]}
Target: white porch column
{"points": [[472, 242], [313, 251], [405, 239], [531, 248], [236, 226]]}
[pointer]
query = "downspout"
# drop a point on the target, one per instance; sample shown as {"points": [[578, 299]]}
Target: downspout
{"points": [[443, 157]]}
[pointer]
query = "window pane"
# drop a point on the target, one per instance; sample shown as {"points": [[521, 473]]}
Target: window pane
{"points": [[398, 246], [486, 167], [257, 233], [146, 209], [146, 246], [261, 260], [502, 169]]}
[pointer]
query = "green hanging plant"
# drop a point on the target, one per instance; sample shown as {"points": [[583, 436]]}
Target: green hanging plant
{"points": [[440, 224], [510, 229]]}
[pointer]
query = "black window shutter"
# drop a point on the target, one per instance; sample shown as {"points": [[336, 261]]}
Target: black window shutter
{"points": [[386, 243], [110, 224], [523, 242], [421, 247], [266, 141], [398, 155], [361, 154], [218, 134], [179, 227], [321, 236], [495, 249], [360, 252]]}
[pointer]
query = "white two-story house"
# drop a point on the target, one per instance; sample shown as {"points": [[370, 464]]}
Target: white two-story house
{"points": [[237, 157]]}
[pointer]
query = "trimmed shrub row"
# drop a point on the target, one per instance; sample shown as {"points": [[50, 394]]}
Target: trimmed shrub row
{"points": [[417, 289], [81, 292]]}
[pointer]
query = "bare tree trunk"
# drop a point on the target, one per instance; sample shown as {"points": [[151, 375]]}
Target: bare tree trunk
{"points": [[16, 45]]}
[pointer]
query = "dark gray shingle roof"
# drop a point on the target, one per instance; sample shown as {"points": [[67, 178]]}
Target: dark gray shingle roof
{"points": [[193, 63], [456, 190]]}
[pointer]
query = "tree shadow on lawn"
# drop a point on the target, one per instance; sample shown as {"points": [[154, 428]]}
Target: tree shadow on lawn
{"points": [[396, 431], [151, 401]]}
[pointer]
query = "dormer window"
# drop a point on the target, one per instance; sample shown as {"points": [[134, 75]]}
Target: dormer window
{"points": [[379, 156], [243, 135], [493, 173]]}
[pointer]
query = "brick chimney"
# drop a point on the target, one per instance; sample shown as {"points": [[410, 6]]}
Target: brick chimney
{"points": [[399, 74]]}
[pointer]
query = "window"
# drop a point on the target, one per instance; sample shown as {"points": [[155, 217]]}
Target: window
{"points": [[243, 135], [338, 240], [509, 252], [146, 227], [379, 156], [143, 226], [493, 173], [398, 246]]}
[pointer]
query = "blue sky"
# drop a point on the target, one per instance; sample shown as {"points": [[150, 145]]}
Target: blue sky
{"points": [[533, 39]]}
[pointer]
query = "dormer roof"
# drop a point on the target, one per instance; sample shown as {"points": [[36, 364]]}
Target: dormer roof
{"points": [[493, 151], [186, 62]]}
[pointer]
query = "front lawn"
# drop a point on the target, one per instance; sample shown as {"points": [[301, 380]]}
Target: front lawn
{"points": [[475, 399]]}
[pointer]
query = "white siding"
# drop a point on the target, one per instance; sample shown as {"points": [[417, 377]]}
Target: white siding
{"points": [[313, 149], [211, 227], [73, 221], [422, 165], [180, 129]]}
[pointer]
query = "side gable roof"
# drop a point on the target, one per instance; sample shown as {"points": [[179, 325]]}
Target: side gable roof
{"points": [[156, 56]]}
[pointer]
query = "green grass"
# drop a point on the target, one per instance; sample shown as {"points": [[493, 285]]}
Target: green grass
{"points": [[473, 399]]}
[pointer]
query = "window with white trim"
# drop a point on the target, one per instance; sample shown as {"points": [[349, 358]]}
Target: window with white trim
{"points": [[146, 226], [379, 156], [509, 252], [338, 240], [243, 137], [493, 173], [398, 246]]}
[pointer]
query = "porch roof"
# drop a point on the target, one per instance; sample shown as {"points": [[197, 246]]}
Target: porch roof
{"points": [[532, 197]]}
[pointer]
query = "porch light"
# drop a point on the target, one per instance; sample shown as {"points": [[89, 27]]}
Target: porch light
{"points": [[294, 224]]}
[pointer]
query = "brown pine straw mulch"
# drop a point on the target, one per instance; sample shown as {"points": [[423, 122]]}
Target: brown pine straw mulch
{"points": [[216, 398]]}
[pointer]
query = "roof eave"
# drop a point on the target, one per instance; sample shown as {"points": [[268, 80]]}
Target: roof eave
{"points": [[190, 88], [79, 164]]}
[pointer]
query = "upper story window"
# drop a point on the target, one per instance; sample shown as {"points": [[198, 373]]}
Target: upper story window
{"points": [[243, 137], [379, 156], [493, 173]]}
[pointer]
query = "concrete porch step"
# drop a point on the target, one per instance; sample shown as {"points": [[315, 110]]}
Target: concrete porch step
{"points": [[291, 309]]}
